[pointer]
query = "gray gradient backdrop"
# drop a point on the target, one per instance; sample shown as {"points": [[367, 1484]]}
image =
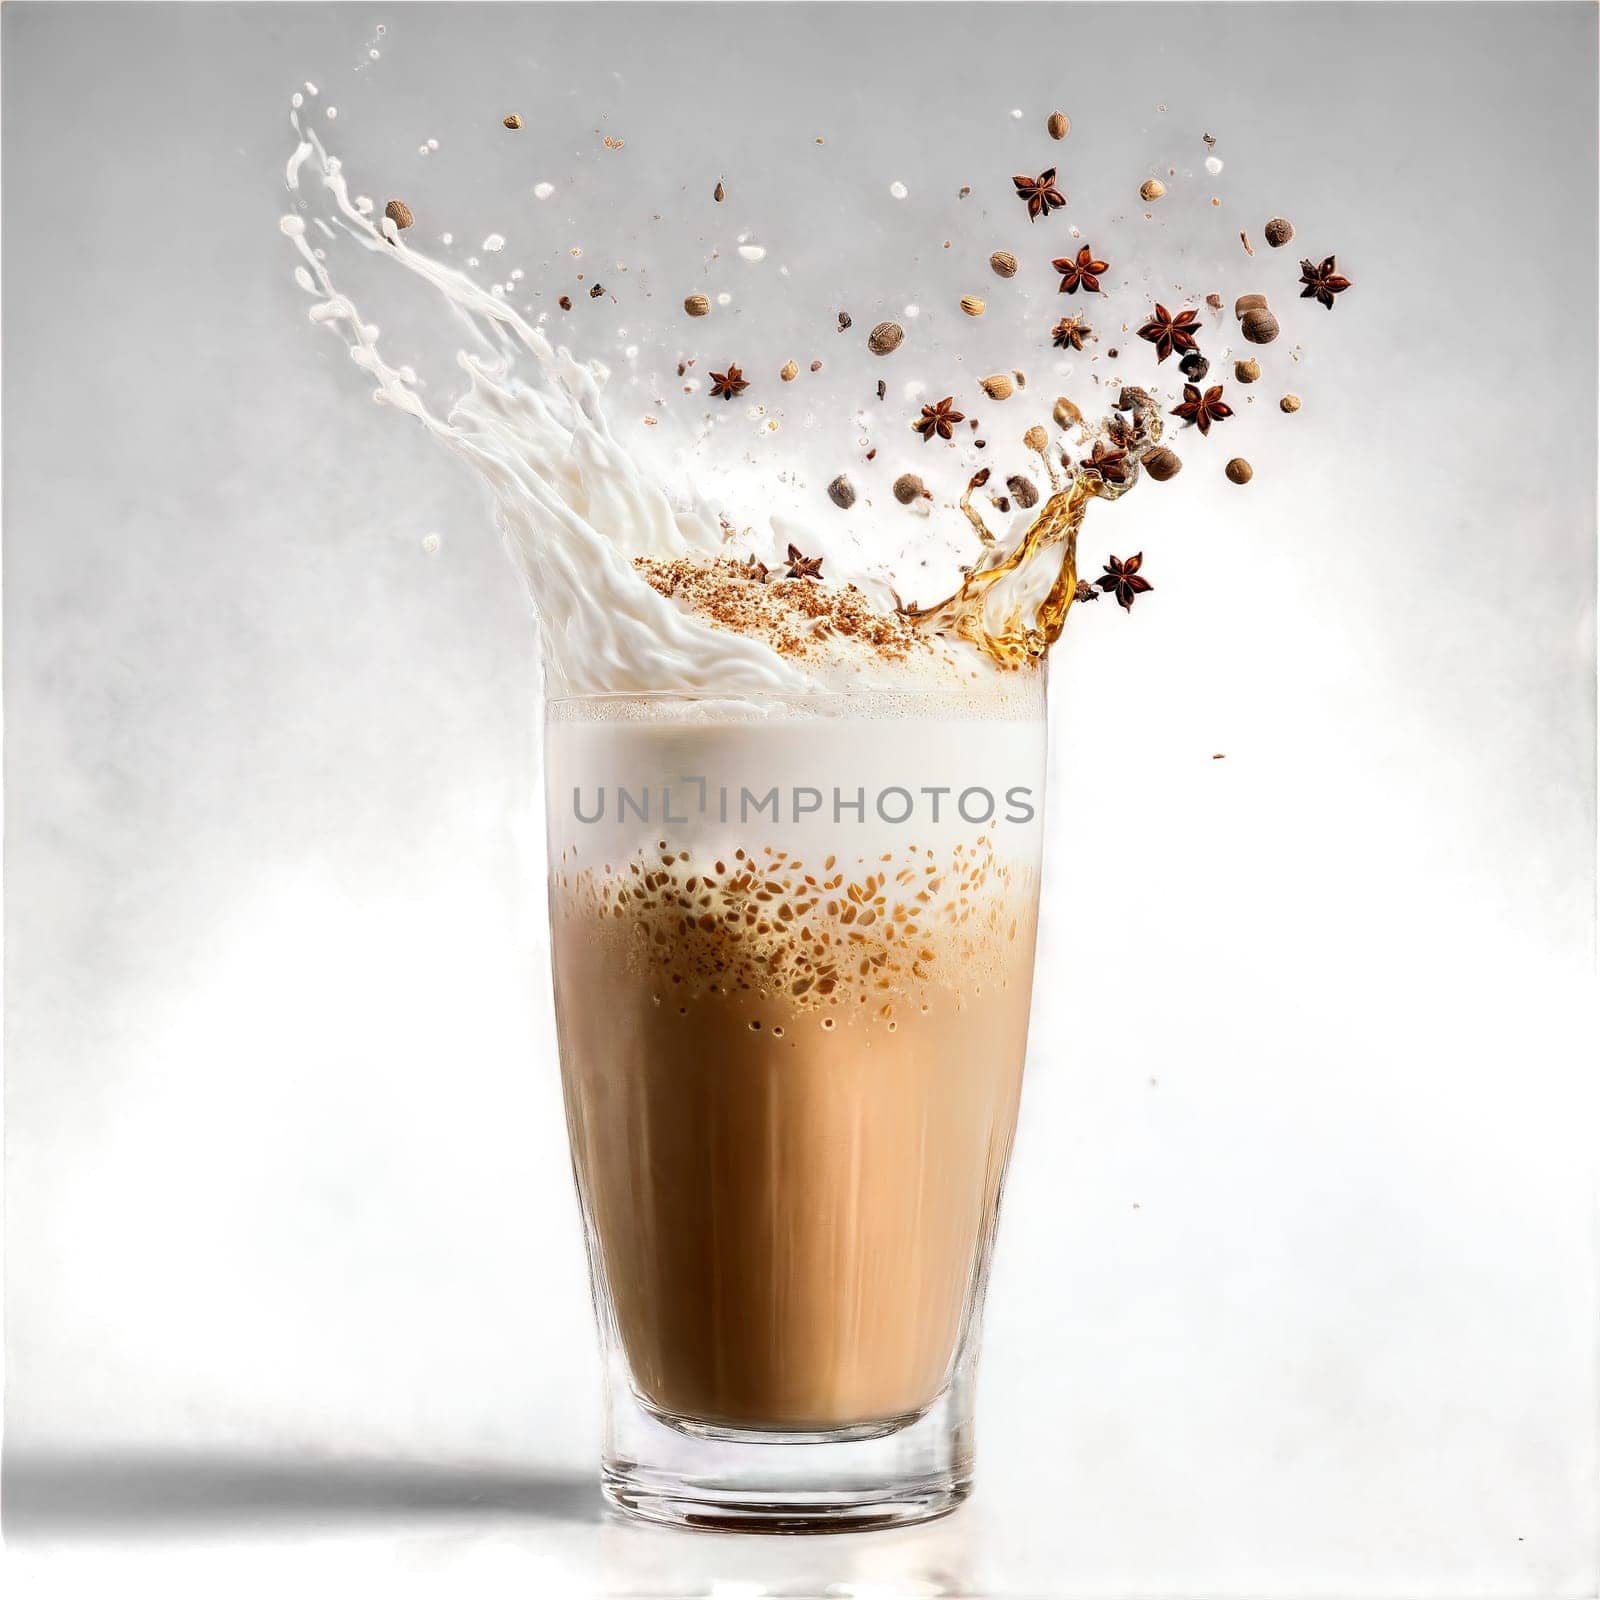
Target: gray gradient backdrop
{"points": [[1296, 1288]]}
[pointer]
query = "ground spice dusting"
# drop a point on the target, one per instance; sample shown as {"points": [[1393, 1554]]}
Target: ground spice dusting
{"points": [[796, 617]]}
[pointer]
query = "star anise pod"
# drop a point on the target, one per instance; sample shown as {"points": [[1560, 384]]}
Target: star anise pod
{"points": [[1126, 433], [1202, 409], [940, 418], [1123, 576], [1168, 333], [728, 384], [803, 566], [1070, 332], [1321, 282], [1080, 272], [1041, 194], [756, 571], [1085, 591], [1110, 466]]}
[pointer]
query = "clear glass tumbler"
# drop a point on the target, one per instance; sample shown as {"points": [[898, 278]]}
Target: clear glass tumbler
{"points": [[793, 947]]}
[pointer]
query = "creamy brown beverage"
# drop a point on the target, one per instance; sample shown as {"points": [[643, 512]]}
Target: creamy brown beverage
{"points": [[793, 946], [792, 1085]]}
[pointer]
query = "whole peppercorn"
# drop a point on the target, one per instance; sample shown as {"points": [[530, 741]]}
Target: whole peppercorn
{"points": [[1247, 371], [1194, 366], [697, 305], [1152, 189], [1057, 126], [1279, 232], [1239, 470], [1023, 491], [1004, 264], [998, 386], [816, 366], [399, 213], [1161, 463], [842, 492], [565, 302], [908, 487], [1290, 402], [1259, 327], [788, 372], [885, 338]]}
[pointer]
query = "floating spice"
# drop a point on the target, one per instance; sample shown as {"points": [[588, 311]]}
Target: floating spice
{"points": [[1023, 491], [1168, 333], [1202, 409], [804, 566], [972, 305], [1080, 271], [1161, 463], [1004, 264], [399, 213], [1279, 232], [1123, 577], [697, 305], [1041, 194], [788, 372], [1239, 470], [885, 338], [512, 121], [1152, 189], [1322, 282], [998, 386], [908, 487], [1057, 125], [1290, 403], [719, 194], [940, 418], [1247, 371], [1069, 333], [730, 384], [842, 492]]}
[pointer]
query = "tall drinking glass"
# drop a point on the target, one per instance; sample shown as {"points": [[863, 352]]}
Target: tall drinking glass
{"points": [[793, 944]]}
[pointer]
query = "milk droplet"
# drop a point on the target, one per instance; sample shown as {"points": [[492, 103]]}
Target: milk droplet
{"points": [[433, 144], [305, 280], [495, 241], [898, 190], [1017, 114], [543, 191], [311, 88], [914, 390], [333, 111], [472, 261], [752, 252], [913, 311], [372, 55], [293, 227], [1213, 166], [431, 543], [724, 299], [380, 30], [516, 274], [447, 238], [297, 100], [422, 149], [364, 204]]}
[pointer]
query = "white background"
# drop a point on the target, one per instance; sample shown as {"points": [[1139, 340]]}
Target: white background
{"points": [[1295, 1291]]}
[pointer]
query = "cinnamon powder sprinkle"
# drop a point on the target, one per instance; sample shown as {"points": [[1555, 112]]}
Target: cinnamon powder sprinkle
{"points": [[795, 617]]}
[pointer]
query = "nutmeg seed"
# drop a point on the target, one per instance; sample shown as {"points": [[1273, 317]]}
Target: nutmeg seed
{"points": [[697, 305], [1161, 463], [1279, 232], [1259, 327], [1239, 470], [1057, 126], [885, 338], [1004, 264]]}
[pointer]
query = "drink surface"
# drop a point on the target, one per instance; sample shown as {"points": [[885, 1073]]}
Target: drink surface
{"points": [[792, 1041]]}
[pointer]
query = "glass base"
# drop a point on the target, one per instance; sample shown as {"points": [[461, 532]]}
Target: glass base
{"points": [[882, 1474], [679, 1503]]}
